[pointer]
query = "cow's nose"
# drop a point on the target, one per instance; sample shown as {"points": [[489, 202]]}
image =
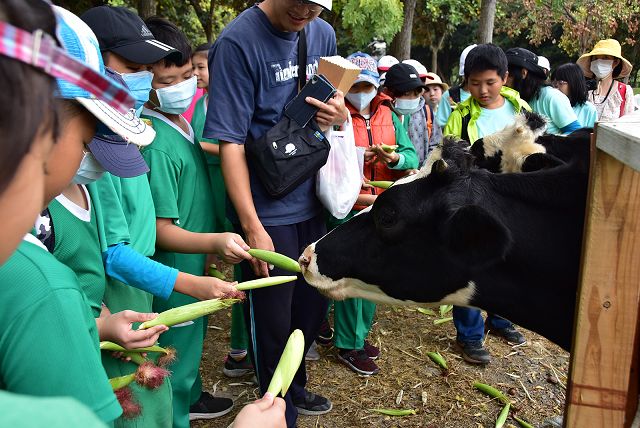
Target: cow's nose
{"points": [[304, 261]]}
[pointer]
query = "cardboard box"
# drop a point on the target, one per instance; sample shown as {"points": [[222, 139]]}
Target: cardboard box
{"points": [[340, 72]]}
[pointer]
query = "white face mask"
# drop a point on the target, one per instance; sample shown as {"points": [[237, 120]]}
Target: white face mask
{"points": [[176, 99], [90, 170], [408, 107], [602, 67], [362, 99]]}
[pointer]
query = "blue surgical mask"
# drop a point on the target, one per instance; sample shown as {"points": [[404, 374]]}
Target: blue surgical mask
{"points": [[89, 171], [176, 99], [139, 85], [362, 99], [408, 107]]}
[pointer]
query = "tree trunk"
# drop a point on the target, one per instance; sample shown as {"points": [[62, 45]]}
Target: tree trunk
{"points": [[146, 8], [401, 45], [208, 29], [434, 53], [487, 17]]}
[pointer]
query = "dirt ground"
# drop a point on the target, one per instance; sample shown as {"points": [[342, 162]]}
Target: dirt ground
{"points": [[534, 376]]}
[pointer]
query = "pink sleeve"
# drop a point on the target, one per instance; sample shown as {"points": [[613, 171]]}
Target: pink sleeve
{"points": [[189, 113]]}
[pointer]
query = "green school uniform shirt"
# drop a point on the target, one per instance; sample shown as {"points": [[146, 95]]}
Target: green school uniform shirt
{"points": [[77, 245], [49, 338], [197, 123], [180, 187], [21, 411]]}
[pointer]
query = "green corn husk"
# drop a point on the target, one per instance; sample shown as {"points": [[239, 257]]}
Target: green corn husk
{"points": [[426, 311], [438, 359], [214, 272], [491, 392], [394, 412], [122, 381], [264, 282], [444, 309], [135, 357], [110, 346], [189, 312], [442, 320], [288, 365], [381, 184], [523, 423], [278, 260], [502, 417], [388, 149]]}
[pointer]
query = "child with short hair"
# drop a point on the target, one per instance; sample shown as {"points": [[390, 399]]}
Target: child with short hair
{"points": [[183, 199], [456, 94], [237, 362], [491, 107]]}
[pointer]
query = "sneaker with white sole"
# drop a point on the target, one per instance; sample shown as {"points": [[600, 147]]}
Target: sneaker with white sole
{"points": [[235, 368], [312, 354], [358, 361], [209, 407]]}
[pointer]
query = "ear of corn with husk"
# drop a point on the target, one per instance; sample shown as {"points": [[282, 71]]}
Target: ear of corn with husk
{"points": [[121, 381], [188, 312], [491, 392], [214, 272], [278, 260], [288, 365], [438, 359], [110, 346], [381, 184], [388, 148], [502, 417], [264, 282]]}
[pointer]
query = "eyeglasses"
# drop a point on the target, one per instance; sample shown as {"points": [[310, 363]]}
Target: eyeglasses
{"points": [[556, 83], [313, 6]]}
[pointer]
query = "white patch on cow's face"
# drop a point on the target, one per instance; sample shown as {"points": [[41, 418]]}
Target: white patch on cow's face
{"points": [[346, 288]]}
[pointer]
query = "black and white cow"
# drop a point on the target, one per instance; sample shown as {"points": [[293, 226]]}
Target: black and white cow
{"points": [[507, 243]]}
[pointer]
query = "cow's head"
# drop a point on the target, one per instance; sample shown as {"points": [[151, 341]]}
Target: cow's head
{"points": [[434, 224]]}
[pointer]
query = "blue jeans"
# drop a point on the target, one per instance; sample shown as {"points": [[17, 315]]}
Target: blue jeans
{"points": [[470, 325]]}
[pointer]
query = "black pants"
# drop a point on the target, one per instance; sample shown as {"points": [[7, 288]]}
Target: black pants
{"points": [[272, 313]]}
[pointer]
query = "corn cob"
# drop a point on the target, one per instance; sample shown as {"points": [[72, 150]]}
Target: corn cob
{"points": [[523, 423], [110, 346], [288, 365], [381, 184], [214, 272], [491, 391], [188, 312], [502, 417], [438, 359], [264, 282], [387, 148], [278, 260], [121, 381], [394, 412]]}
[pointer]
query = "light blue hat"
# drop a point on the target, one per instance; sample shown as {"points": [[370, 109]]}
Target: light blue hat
{"points": [[81, 43]]}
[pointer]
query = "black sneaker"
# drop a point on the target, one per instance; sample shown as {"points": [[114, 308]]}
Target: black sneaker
{"points": [[210, 407], [233, 368], [314, 405], [325, 334], [474, 352], [510, 334]]}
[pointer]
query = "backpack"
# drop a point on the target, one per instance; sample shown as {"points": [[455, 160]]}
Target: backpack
{"points": [[454, 95], [622, 89]]}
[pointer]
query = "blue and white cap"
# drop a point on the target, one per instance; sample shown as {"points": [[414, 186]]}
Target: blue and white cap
{"points": [[81, 43], [368, 68]]}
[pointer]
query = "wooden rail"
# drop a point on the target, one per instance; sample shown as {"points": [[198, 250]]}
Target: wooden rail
{"points": [[603, 379]]}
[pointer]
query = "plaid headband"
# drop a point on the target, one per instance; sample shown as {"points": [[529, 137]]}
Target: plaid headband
{"points": [[39, 50]]}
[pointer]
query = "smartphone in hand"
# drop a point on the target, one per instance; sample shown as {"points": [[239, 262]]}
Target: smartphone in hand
{"points": [[302, 112]]}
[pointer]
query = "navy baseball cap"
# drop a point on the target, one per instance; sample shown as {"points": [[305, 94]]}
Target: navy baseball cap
{"points": [[113, 152], [403, 77], [121, 31]]}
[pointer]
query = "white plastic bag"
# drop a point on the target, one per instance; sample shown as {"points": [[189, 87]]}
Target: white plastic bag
{"points": [[339, 180]]}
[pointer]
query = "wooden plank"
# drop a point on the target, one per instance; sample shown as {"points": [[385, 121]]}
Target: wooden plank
{"points": [[607, 314], [621, 139]]}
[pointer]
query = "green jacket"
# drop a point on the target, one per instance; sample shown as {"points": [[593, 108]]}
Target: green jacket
{"points": [[472, 107]]}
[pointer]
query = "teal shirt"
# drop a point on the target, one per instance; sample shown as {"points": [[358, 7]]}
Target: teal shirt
{"points": [[494, 120], [49, 338], [586, 113], [180, 187], [555, 105]]}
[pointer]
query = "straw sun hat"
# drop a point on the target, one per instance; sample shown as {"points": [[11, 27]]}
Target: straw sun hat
{"points": [[605, 47]]}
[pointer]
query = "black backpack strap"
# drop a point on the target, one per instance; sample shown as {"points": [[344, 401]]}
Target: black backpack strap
{"points": [[464, 133], [302, 59], [454, 93]]}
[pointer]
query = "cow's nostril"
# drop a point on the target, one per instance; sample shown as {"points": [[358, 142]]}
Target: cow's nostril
{"points": [[304, 261]]}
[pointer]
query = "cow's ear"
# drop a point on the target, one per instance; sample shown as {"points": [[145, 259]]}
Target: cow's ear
{"points": [[476, 237]]}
